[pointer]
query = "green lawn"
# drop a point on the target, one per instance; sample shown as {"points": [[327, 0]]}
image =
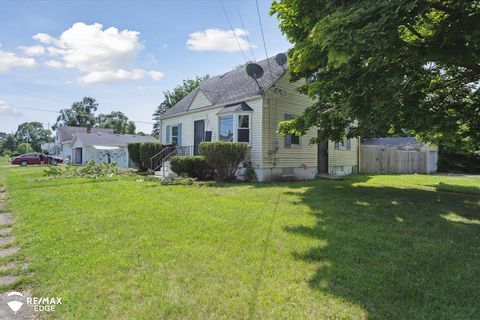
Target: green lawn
{"points": [[382, 247]]}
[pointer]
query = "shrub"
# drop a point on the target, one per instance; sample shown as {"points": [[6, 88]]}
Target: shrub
{"points": [[183, 181], [148, 150], [89, 170], [194, 167], [134, 155], [224, 157], [249, 174]]}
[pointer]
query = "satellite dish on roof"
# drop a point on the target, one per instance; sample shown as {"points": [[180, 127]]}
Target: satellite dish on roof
{"points": [[255, 72], [281, 60]]}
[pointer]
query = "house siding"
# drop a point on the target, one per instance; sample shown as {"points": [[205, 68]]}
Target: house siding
{"points": [[290, 102], [342, 162], [200, 101], [212, 123]]}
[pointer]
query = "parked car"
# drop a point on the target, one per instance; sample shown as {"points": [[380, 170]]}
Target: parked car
{"points": [[36, 158]]}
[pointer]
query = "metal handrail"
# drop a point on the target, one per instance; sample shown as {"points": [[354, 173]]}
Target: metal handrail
{"points": [[156, 160], [159, 159], [183, 150]]}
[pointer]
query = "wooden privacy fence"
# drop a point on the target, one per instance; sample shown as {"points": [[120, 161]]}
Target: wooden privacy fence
{"points": [[380, 159]]}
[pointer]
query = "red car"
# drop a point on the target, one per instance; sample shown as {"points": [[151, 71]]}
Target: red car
{"points": [[36, 158]]}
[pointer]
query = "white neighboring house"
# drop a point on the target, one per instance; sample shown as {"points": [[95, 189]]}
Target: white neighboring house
{"points": [[98, 144], [231, 107], [63, 139]]}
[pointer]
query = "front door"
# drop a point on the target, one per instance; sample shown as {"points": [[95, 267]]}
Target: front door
{"points": [[78, 155], [198, 135], [323, 157]]}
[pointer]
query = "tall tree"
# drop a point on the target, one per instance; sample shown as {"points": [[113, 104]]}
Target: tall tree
{"points": [[117, 121], [391, 65], [34, 134], [10, 143], [172, 97], [79, 115]]}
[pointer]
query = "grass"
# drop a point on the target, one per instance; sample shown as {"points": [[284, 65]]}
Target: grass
{"points": [[377, 247]]}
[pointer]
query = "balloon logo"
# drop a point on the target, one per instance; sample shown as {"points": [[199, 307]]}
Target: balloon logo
{"points": [[15, 305]]}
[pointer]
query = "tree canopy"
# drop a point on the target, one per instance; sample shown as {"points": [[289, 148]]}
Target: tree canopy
{"points": [[172, 97], [393, 66], [117, 121], [34, 134], [79, 115]]}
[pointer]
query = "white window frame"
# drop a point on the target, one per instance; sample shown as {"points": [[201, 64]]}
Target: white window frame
{"points": [[342, 145], [171, 134], [235, 116]]}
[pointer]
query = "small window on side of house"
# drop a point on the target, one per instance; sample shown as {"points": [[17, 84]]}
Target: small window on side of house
{"points": [[243, 131], [175, 135]]}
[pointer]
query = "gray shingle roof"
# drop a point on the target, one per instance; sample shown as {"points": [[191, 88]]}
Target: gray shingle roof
{"points": [[232, 86], [109, 139], [392, 142], [65, 133]]}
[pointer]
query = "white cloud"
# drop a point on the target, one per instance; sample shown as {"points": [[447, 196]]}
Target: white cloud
{"points": [[54, 64], [44, 38], [218, 40], [10, 60], [102, 54], [6, 110], [34, 50], [111, 76]]}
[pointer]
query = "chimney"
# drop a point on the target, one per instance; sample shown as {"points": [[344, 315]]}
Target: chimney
{"points": [[89, 128]]}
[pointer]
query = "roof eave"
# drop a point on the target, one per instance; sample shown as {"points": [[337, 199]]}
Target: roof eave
{"points": [[213, 106]]}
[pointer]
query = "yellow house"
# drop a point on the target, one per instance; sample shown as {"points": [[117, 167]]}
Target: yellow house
{"points": [[235, 107]]}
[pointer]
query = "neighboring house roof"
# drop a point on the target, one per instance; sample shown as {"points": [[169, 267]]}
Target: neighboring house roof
{"points": [[232, 86], [65, 133], [397, 142], [109, 139], [236, 107]]}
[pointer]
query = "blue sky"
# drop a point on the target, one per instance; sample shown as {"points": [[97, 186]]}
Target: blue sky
{"points": [[123, 53]]}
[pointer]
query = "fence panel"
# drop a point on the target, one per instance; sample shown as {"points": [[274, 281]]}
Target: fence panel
{"points": [[378, 159]]}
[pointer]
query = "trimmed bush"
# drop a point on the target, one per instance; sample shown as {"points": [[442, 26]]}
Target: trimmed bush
{"points": [[148, 150], [194, 167], [134, 155], [224, 157]]}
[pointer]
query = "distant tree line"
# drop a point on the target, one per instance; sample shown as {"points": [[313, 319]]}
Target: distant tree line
{"points": [[30, 136]]}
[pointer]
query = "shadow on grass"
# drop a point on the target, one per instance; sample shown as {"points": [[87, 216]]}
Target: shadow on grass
{"points": [[393, 251], [445, 187]]}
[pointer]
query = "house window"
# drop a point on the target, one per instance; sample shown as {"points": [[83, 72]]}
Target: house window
{"points": [[295, 140], [291, 139], [243, 133], [226, 128], [175, 135], [345, 144]]}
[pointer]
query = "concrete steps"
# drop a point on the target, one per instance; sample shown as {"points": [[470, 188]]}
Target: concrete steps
{"points": [[166, 172]]}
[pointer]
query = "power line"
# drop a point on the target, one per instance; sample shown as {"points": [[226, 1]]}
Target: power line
{"points": [[77, 113], [233, 31], [246, 34], [263, 38], [23, 93]]}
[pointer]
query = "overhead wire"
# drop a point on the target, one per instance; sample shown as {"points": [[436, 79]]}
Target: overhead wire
{"points": [[233, 31], [263, 39], [78, 113], [246, 34]]}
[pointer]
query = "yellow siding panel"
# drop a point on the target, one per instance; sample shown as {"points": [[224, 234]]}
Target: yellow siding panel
{"points": [[287, 101]]}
